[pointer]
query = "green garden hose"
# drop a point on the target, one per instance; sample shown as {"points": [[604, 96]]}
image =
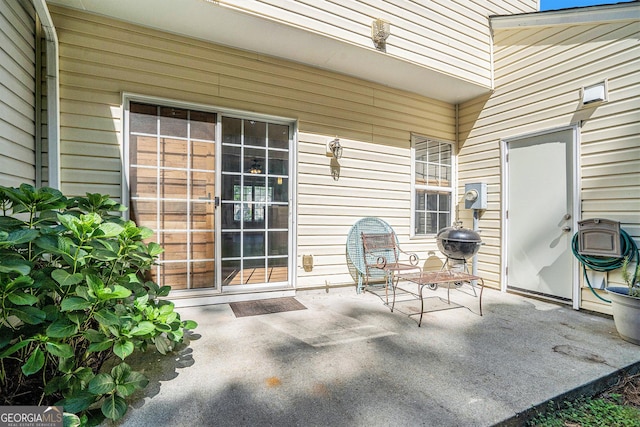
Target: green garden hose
{"points": [[600, 263]]}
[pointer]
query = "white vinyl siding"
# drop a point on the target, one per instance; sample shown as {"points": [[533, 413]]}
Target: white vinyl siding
{"points": [[539, 72], [17, 93], [448, 36], [103, 58]]}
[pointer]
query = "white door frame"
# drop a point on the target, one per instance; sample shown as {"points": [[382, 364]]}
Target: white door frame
{"points": [[575, 215]]}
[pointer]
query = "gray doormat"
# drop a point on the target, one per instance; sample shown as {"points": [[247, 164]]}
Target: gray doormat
{"points": [[265, 306]]}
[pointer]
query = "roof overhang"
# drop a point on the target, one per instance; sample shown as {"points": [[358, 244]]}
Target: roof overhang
{"points": [[574, 16], [211, 21]]}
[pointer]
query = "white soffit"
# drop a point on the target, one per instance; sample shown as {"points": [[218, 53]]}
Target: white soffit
{"points": [[213, 22]]}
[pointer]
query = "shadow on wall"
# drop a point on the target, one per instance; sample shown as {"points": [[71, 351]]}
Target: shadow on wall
{"points": [[468, 115]]}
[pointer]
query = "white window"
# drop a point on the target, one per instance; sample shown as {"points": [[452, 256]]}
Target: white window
{"points": [[433, 185]]}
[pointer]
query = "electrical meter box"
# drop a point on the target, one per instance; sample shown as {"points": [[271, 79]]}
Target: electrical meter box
{"points": [[599, 237], [475, 196]]}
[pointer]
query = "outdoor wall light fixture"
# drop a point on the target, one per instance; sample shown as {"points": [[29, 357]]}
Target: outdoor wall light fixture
{"points": [[335, 148], [307, 262], [380, 31], [255, 167]]}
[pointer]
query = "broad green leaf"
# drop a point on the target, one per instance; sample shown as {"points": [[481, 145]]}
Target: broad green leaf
{"points": [[102, 384], [70, 222], [89, 219], [141, 301], [176, 335], [18, 237], [163, 344], [30, 315], [120, 371], [172, 317], [94, 336], [20, 196], [142, 328], [114, 407], [67, 365], [163, 327], [115, 330], [50, 244], [74, 303], [62, 328], [78, 402], [154, 249], [19, 283], [15, 265], [117, 292], [83, 292], [106, 317], [8, 223], [132, 278], [145, 232], [110, 229], [166, 307], [65, 279], [49, 198], [84, 374], [22, 298], [104, 255], [189, 324], [70, 420], [99, 346], [122, 349], [164, 291], [132, 382], [95, 283], [77, 317], [34, 363], [59, 349], [52, 312], [17, 346]]}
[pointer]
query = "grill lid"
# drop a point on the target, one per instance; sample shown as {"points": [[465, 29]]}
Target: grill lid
{"points": [[458, 234]]}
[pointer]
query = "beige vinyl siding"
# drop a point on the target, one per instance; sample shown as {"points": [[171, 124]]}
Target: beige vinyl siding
{"points": [[538, 75], [17, 93], [448, 36], [102, 58]]}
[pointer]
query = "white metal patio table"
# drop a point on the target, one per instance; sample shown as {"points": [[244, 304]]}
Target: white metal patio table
{"points": [[441, 278]]}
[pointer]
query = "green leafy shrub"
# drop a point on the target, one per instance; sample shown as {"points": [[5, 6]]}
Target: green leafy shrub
{"points": [[589, 412], [73, 296]]}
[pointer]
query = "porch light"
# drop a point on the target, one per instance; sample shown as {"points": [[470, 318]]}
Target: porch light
{"points": [[335, 148], [380, 31], [255, 167]]}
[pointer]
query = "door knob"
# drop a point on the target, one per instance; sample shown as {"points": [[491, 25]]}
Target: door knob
{"points": [[566, 229]]}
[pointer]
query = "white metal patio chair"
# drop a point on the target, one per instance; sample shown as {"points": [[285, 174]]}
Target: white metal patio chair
{"points": [[374, 252]]}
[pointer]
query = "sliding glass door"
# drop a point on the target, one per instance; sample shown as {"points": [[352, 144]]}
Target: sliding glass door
{"points": [[255, 202], [181, 178]]}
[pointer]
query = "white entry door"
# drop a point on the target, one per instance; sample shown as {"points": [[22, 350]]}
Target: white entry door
{"points": [[540, 209]]}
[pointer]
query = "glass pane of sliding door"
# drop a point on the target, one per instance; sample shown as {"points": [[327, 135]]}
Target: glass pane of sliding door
{"points": [[254, 203], [172, 174]]}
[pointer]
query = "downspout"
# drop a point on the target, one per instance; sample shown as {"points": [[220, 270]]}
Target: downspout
{"points": [[53, 95]]}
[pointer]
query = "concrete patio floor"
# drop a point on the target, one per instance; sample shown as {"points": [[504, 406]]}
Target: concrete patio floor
{"points": [[348, 361]]}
